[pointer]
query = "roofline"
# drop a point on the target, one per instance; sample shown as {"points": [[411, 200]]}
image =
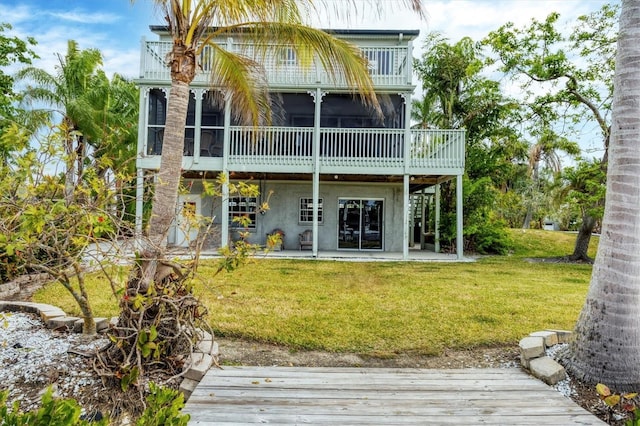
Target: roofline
{"points": [[411, 34]]}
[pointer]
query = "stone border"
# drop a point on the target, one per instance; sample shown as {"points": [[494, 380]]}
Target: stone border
{"points": [[533, 356], [53, 317]]}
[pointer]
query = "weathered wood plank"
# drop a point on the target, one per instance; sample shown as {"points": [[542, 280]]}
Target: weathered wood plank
{"points": [[512, 420], [285, 395], [530, 400]]}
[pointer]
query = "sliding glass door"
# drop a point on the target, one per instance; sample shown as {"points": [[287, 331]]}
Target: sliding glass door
{"points": [[360, 224]]}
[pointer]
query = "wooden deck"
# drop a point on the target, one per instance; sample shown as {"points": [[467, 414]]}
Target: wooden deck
{"points": [[348, 396]]}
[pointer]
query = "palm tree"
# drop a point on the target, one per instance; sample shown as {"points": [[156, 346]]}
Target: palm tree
{"points": [[546, 151], [607, 344], [69, 94], [193, 26]]}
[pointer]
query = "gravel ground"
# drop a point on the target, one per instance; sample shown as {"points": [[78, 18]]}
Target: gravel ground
{"points": [[33, 358]]}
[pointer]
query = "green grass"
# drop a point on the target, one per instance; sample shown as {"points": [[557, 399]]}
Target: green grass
{"points": [[384, 308]]}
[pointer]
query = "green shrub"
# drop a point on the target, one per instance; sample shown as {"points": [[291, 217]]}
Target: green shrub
{"points": [[164, 407], [52, 412]]}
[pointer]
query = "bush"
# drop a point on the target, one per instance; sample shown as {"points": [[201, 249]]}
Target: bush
{"points": [[483, 232], [53, 412], [163, 408]]}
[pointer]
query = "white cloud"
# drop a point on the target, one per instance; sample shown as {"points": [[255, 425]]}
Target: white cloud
{"points": [[86, 18], [15, 14]]}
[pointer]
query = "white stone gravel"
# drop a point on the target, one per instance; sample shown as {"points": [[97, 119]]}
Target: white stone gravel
{"points": [[33, 357], [563, 386]]}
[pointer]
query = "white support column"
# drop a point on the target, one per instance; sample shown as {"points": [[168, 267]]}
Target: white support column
{"points": [[405, 187], [139, 208], [405, 218], [459, 224], [317, 99], [424, 207], [142, 151], [437, 220], [143, 129], [197, 132], [224, 220]]}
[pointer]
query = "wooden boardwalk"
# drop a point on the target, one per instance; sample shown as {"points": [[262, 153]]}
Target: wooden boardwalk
{"points": [[379, 396]]}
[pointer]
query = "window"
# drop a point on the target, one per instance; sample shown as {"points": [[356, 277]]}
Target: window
{"points": [[157, 114], [306, 210], [242, 207]]}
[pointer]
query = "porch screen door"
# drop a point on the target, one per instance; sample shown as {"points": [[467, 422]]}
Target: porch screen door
{"points": [[360, 224]]}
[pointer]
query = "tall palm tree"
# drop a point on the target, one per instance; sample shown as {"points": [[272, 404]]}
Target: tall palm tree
{"points": [[607, 344], [546, 150], [68, 93], [193, 25]]}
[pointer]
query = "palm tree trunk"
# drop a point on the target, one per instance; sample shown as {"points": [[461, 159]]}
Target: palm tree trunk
{"points": [[167, 183], [607, 344]]}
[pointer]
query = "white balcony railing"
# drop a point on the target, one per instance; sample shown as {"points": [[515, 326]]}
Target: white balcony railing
{"points": [[377, 150], [388, 66]]}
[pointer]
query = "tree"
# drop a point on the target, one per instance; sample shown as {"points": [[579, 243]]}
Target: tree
{"points": [[546, 151], [69, 94], [47, 222], [565, 80], [606, 348], [39, 230], [585, 191], [457, 95], [12, 50]]}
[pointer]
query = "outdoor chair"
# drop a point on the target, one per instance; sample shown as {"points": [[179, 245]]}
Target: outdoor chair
{"points": [[306, 239]]}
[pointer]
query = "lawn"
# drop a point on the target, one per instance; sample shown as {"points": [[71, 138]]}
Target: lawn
{"points": [[384, 308]]}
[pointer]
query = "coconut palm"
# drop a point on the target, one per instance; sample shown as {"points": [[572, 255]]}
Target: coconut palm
{"points": [[194, 24], [68, 93], [607, 344], [547, 151]]}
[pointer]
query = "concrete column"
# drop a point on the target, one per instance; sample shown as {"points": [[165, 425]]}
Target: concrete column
{"points": [[197, 132], [405, 218], [317, 99], [437, 220], [459, 224], [139, 207], [224, 220]]}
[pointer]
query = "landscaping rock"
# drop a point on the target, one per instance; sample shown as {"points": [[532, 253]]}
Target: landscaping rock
{"points": [[187, 387], [530, 347], [199, 366], [50, 313], [547, 370], [550, 337], [564, 336], [57, 322], [101, 324]]}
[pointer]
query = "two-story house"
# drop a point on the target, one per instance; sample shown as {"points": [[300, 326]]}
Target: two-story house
{"points": [[333, 168]]}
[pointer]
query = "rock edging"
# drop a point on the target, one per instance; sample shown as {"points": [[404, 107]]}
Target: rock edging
{"points": [[533, 356], [53, 317]]}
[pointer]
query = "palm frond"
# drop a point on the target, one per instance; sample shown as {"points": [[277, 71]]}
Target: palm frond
{"points": [[244, 80]]}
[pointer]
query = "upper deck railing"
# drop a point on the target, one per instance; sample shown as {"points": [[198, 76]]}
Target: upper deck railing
{"points": [[388, 66], [340, 150]]}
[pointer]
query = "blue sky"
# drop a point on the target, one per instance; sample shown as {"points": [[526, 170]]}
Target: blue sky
{"points": [[116, 26]]}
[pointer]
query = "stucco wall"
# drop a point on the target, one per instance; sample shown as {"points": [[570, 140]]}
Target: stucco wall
{"points": [[284, 204]]}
